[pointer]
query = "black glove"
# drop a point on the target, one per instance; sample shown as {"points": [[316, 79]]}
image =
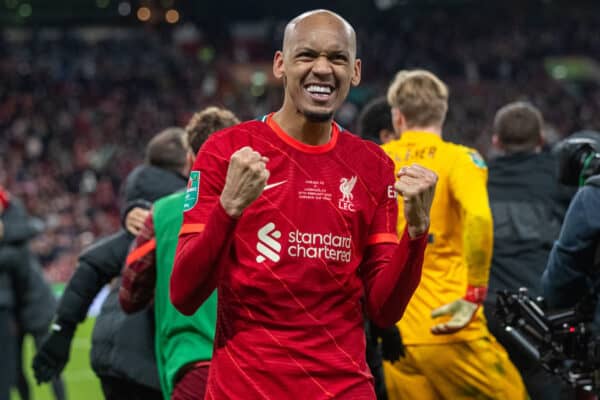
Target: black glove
{"points": [[392, 347], [53, 354]]}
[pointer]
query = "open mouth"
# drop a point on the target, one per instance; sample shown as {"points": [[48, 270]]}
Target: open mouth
{"points": [[319, 92]]}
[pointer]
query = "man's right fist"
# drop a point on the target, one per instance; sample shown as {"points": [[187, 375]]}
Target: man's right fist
{"points": [[247, 176], [53, 354]]}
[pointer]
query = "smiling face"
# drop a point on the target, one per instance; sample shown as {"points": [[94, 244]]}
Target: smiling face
{"points": [[318, 64]]}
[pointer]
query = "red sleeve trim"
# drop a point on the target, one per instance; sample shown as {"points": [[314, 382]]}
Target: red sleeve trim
{"points": [[191, 228], [141, 251], [382, 238]]}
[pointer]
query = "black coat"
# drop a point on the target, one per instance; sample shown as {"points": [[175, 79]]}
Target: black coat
{"points": [[122, 345], [37, 302], [14, 254], [528, 206], [97, 266]]}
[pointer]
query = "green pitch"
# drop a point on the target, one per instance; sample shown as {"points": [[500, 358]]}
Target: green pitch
{"points": [[80, 381]]}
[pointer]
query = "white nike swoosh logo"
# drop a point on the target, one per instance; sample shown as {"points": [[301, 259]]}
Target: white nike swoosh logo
{"points": [[272, 185]]}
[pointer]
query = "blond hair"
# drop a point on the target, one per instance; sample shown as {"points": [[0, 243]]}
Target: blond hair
{"points": [[420, 96]]}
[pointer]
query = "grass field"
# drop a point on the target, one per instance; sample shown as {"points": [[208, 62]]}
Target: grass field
{"points": [[80, 380]]}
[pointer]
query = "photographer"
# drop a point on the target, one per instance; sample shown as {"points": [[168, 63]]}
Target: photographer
{"points": [[528, 206], [575, 257]]}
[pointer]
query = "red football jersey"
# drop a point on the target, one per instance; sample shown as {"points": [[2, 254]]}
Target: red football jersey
{"points": [[290, 317]]}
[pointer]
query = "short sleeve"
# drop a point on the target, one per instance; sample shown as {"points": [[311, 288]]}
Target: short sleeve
{"points": [[383, 225], [204, 187]]}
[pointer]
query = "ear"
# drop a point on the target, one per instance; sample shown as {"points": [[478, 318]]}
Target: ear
{"points": [[189, 163], [398, 120], [278, 69], [542, 140], [496, 142], [356, 76]]}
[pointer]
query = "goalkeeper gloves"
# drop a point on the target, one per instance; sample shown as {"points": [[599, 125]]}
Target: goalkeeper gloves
{"points": [[461, 311], [53, 354]]}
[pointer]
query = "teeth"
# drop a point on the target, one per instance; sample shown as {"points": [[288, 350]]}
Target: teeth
{"points": [[319, 89]]}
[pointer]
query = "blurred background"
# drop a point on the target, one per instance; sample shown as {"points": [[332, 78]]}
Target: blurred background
{"points": [[85, 83]]}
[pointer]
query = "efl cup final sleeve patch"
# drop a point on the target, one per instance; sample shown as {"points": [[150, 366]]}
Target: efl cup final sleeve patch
{"points": [[191, 193], [477, 159]]}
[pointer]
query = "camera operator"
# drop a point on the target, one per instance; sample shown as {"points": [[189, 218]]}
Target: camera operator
{"points": [[574, 261], [528, 206]]}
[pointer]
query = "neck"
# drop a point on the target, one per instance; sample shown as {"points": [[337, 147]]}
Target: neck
{"points": [[300, 128], [512, 152]]}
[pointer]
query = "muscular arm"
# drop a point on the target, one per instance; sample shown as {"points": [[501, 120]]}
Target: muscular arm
{"points": [[391, 274], [139, 272], [197, 258], [217, 194]]}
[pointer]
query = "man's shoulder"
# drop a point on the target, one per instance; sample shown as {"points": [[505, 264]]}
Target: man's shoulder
{"points": [[114, 244], [466, 154], [176, 197], [236, 136], [594, 181], [363, 148], [590, 192], [243, 128], [391, 147]]}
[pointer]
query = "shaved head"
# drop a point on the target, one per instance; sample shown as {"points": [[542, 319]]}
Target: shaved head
{"points": [[317, 65], [315, 17]]}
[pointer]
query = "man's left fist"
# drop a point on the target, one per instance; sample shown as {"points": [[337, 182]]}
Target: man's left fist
{"points": [[416, 185]]}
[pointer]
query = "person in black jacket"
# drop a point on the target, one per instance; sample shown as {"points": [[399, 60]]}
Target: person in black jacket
{"points": [[34, 301], [36, 307], [122, 346], [16, 228], [528, 206]]}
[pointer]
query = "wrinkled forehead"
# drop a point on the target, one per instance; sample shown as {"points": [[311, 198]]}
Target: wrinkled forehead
{"points": [[321, 33]]}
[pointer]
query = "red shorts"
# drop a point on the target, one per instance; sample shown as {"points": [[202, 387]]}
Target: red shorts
{"points": [[192, 385]]}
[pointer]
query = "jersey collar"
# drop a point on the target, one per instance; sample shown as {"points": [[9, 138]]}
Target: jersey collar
{"points": [[420, 135], [298, 145]]}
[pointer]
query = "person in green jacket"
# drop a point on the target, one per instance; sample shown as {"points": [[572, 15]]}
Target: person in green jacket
{"points": [[183, 344]]}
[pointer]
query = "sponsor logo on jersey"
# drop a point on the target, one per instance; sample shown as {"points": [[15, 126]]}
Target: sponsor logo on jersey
{"points": [[325, 246], [267, 245], [346, 187], [191, 192]]}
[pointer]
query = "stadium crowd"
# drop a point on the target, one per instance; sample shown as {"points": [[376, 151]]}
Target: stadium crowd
{"points": [[78, 107], [74, 111]]}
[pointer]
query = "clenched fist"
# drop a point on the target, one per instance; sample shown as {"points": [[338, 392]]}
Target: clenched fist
{"points": [[416, 185], [246, 178]]}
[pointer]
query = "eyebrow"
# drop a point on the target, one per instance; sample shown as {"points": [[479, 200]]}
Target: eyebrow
{"points": [[311, 50]]}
